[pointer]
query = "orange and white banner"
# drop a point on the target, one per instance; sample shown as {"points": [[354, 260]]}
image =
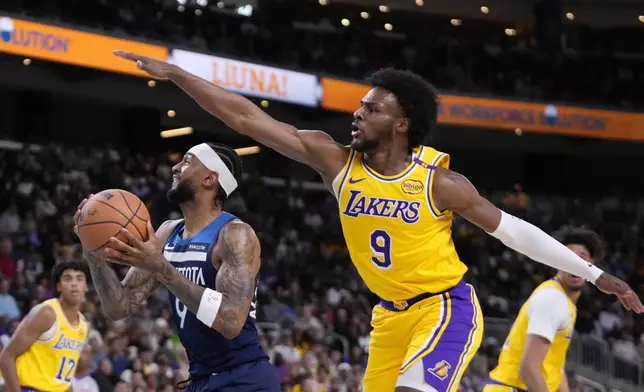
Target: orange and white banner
{"points": [[251, 79], [495, 113], [36, 40]]}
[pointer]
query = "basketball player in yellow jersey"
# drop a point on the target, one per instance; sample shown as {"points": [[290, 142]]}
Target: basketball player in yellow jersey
{"points": [[43, 352], [534, 354], [396, 198]]}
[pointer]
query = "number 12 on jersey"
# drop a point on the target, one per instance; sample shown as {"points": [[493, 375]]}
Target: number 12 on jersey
{"points": [[66, 369], [381, 249]]}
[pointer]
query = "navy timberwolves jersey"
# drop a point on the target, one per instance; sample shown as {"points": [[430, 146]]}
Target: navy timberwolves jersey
{"points": [[208, 351]]}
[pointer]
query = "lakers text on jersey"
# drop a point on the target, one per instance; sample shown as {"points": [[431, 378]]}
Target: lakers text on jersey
{"points": [[50, 363], [208, 351], [544, 304], [399, 242], [428, 325]]}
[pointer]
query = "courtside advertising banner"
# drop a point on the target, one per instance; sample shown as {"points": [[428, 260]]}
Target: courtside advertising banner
{"points": [[493, 113], [251, 79], [75, 47]]}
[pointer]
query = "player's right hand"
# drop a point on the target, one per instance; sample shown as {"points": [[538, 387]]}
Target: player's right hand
{"points": [[77, 215], [612, 285], [156, 68]]}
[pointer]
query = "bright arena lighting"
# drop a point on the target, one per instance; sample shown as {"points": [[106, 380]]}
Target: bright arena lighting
{"points": [[247, 150], [176, 132]]}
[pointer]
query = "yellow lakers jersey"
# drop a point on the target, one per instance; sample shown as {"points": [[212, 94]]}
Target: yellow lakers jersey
{"points": [[50, 363], [398, 240], [507, 371]]}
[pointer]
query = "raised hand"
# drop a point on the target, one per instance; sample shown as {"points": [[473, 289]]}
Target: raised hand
{"points": [[156, 68], [78, 215], [147, 255], [612, 285]]}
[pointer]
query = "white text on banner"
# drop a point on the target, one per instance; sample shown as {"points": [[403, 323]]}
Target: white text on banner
{"points": [[251, 79]]}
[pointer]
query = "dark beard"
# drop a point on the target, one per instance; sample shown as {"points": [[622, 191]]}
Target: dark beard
{"points": [[182, 193], [363, 145]]}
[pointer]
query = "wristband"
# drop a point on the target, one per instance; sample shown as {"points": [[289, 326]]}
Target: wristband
{"points": [[209, 306]]}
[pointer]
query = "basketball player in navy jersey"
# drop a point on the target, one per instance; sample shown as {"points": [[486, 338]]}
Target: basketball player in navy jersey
{"points": [[209, 261]]}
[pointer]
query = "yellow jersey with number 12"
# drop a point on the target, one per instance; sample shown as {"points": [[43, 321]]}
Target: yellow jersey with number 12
{"points": [[49, 364], [399, 242], [507, 371]]}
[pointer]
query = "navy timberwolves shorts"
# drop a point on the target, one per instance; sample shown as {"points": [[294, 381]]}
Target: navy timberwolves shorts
{"points": [[257, 376]]}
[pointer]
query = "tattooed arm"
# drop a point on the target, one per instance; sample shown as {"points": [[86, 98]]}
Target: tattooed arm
{"points": [[120, 298], [238, 249]]}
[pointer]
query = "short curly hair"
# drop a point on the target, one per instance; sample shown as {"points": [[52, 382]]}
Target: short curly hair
{"points": [[569, 235], [417, 98], [74, 265]]}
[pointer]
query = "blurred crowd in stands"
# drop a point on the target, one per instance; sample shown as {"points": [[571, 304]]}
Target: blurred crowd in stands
{"points": [[595, 67], [313, 310]]}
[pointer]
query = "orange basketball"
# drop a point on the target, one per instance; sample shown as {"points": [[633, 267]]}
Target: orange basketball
{"points": [[106, 213]]}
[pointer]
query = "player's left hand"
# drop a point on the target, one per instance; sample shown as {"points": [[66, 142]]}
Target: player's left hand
{"points": [[156, 68], [147, 255], [612, 285]]}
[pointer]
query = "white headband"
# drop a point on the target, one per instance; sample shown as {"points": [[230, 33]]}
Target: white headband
{"points": [[212, 161]]}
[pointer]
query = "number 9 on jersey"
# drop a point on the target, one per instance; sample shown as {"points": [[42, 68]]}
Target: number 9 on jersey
{"points": [[381, 249]]}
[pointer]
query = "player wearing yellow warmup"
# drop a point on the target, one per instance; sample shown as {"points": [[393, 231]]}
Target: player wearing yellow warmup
{"points": [[396, 196], [534, 354], [43, 352]]}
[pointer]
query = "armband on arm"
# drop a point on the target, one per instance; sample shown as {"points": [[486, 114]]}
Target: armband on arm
{"points": [[539, 246], [209, 306]]}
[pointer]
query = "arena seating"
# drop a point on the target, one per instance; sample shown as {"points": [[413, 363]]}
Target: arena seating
{"points": [[313, 309], [474, 58]]}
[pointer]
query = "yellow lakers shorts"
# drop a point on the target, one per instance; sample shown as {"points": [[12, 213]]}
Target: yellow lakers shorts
{"points": [[424, 345]]}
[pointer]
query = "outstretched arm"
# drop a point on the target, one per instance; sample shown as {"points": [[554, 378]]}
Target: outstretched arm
{"points": [[39, 320], [313, 148], [226, 308], [454, 192]]}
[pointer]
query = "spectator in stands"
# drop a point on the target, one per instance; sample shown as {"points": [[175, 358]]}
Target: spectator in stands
{"points": [[83, 381], [8, 306], [10, 220], [7, 262], [317, 340]]}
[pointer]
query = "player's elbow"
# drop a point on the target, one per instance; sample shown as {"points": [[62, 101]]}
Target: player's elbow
{"points": [[233, 325], [6, 358], [115, 314], [232, 331]]}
